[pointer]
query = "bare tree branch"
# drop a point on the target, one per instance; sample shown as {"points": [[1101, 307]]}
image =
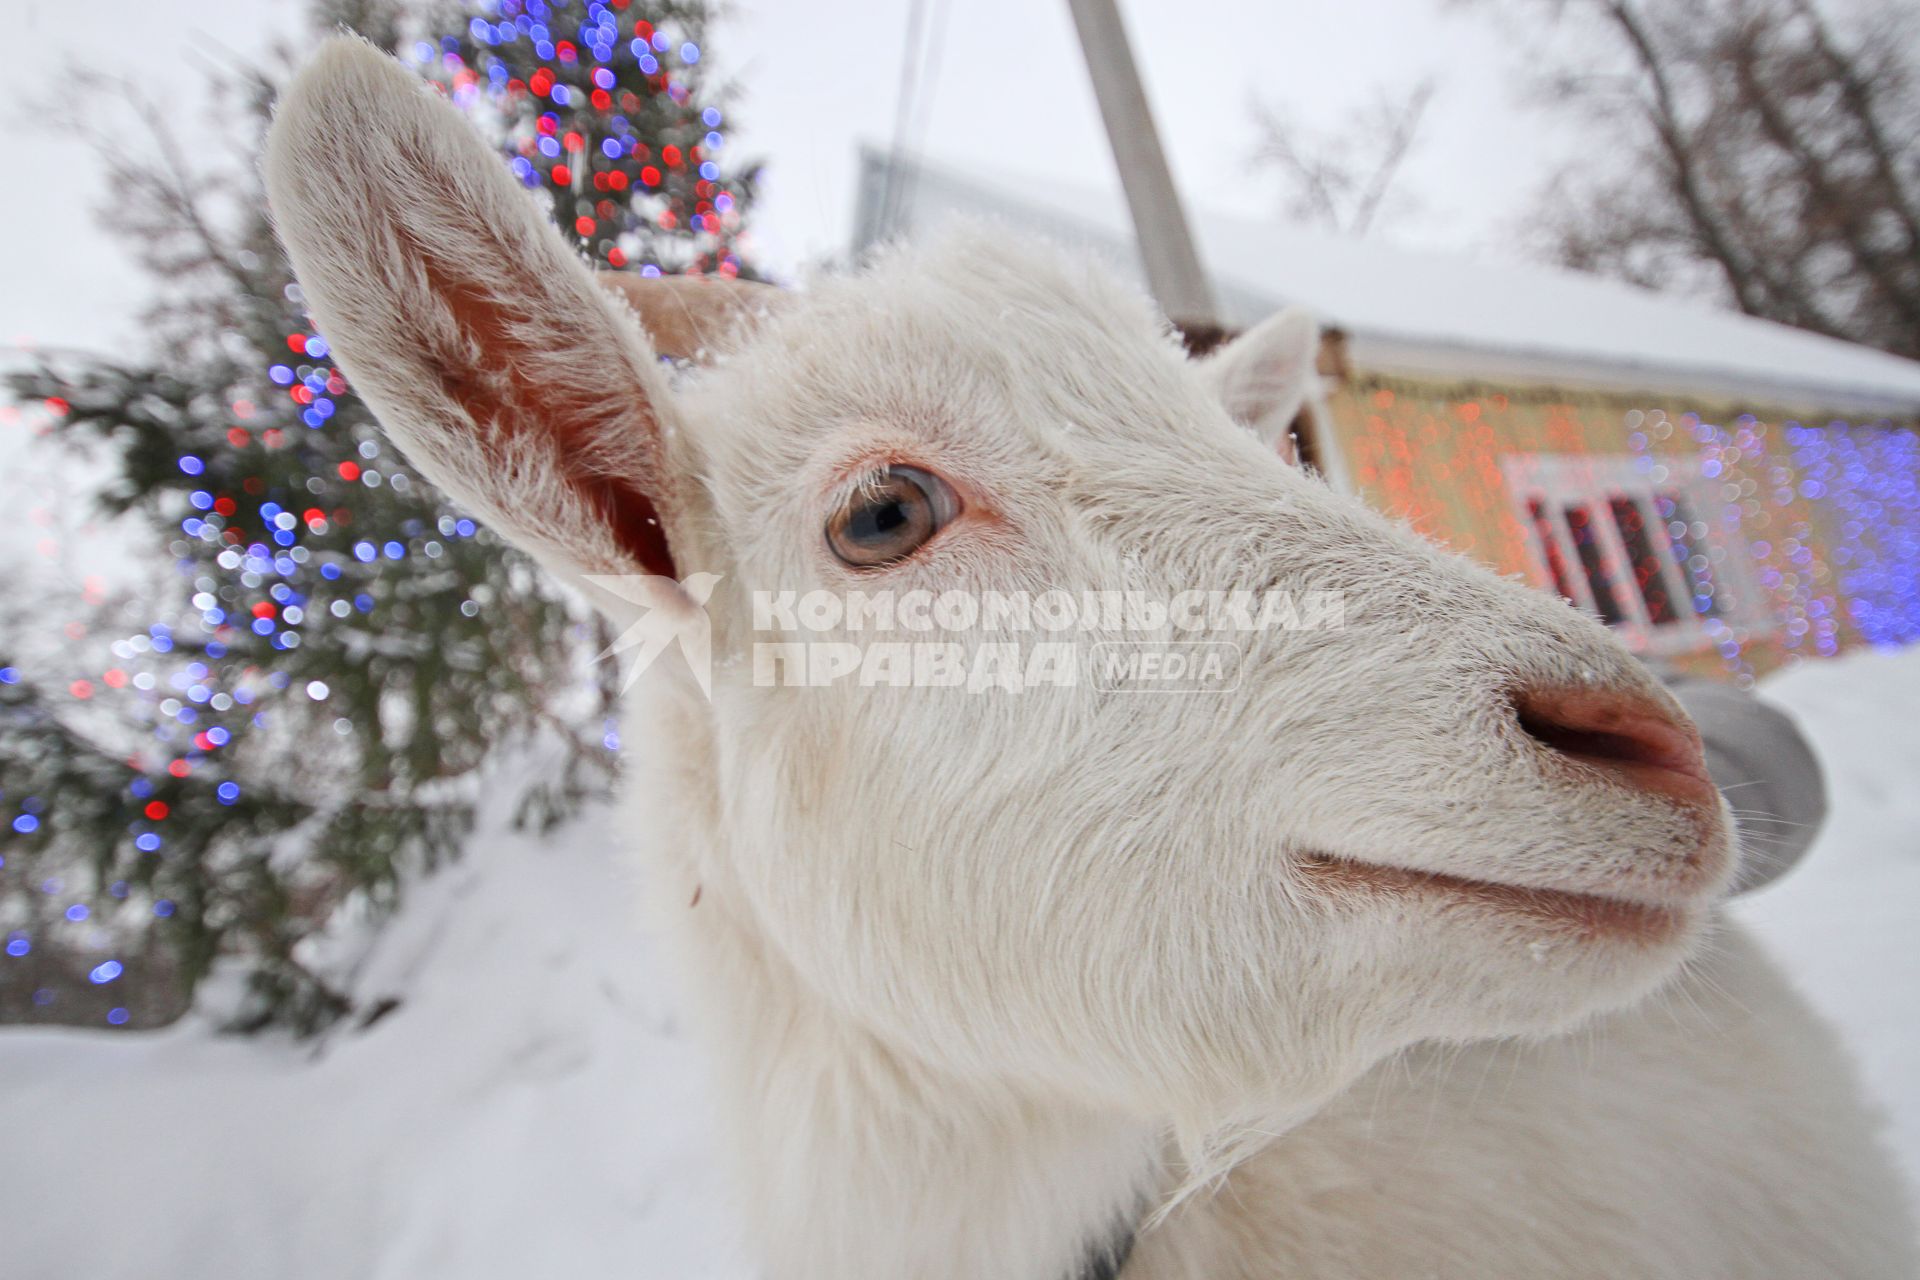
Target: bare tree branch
{"points": [[1750, 139], [1401, 131], [1345, 180], [1881, 269], [1860, 96], [1664, 116]]}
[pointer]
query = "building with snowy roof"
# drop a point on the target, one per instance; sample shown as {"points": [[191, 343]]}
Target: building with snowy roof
{"points": [[1727, 492]]}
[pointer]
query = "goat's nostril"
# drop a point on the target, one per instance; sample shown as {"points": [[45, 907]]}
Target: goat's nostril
{"points": [[1627, 734]]}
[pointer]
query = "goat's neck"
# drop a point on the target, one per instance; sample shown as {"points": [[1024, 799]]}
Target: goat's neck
{"points": [[855, 1160], [860, 1162]]}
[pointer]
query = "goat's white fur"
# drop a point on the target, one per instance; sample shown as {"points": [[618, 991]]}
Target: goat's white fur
{"points": [[990, 977]]}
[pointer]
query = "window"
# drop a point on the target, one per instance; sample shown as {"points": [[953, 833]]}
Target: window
{"points": [[1647, 567], [1626, 542]]}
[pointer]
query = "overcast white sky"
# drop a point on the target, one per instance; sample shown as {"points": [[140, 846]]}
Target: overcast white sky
{"points": [[817, 76]]}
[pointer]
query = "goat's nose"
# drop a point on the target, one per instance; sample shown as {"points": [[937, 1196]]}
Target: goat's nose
{"points": [[1626, 735]]}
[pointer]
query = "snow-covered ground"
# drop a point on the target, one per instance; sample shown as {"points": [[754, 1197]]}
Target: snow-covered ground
{"points": [[1847, 921], [531, 1110]]}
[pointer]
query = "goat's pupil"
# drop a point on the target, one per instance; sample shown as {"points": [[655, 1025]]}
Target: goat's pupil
{"points": [[883, 518], [886, 517]]}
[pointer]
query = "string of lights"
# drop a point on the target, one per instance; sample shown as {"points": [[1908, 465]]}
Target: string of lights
{"points": [[1820, 521]]}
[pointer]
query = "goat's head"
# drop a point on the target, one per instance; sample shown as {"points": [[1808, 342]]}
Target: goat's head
{"points": [[1466, 812]]}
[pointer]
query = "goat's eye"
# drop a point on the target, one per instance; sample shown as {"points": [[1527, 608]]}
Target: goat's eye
{"points": [[890, 516]]}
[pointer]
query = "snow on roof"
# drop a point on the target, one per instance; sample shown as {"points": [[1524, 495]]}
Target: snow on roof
{"points": [[1433, 312]]}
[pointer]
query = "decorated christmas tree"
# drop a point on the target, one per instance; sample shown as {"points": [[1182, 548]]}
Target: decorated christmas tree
{"points": [[606, 107], [339, 659]]}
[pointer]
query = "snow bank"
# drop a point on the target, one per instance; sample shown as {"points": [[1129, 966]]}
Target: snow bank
{"points": [[1847, 921], [532, 1110]]}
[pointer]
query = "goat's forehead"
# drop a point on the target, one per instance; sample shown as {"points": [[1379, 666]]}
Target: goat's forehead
{"points": [[1015, 348]]}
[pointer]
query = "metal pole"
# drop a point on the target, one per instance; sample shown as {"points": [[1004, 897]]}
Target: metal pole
{"points": [[1167, 251]]}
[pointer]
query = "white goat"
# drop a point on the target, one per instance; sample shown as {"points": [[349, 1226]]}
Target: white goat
{"points": [[1272, 981]]}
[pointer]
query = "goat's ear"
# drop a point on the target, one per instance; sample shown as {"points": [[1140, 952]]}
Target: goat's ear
{"points": [[692, 317], [481, 341], [1265, 375]]}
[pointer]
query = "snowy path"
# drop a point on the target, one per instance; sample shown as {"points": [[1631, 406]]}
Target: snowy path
{"points": [[532, 1110]]}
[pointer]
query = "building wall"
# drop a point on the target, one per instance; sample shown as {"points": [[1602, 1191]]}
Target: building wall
{"points": [[1718, 539]]}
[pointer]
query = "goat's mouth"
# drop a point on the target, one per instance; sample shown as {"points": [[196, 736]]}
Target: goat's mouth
{"points": [[1591, 915]]}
